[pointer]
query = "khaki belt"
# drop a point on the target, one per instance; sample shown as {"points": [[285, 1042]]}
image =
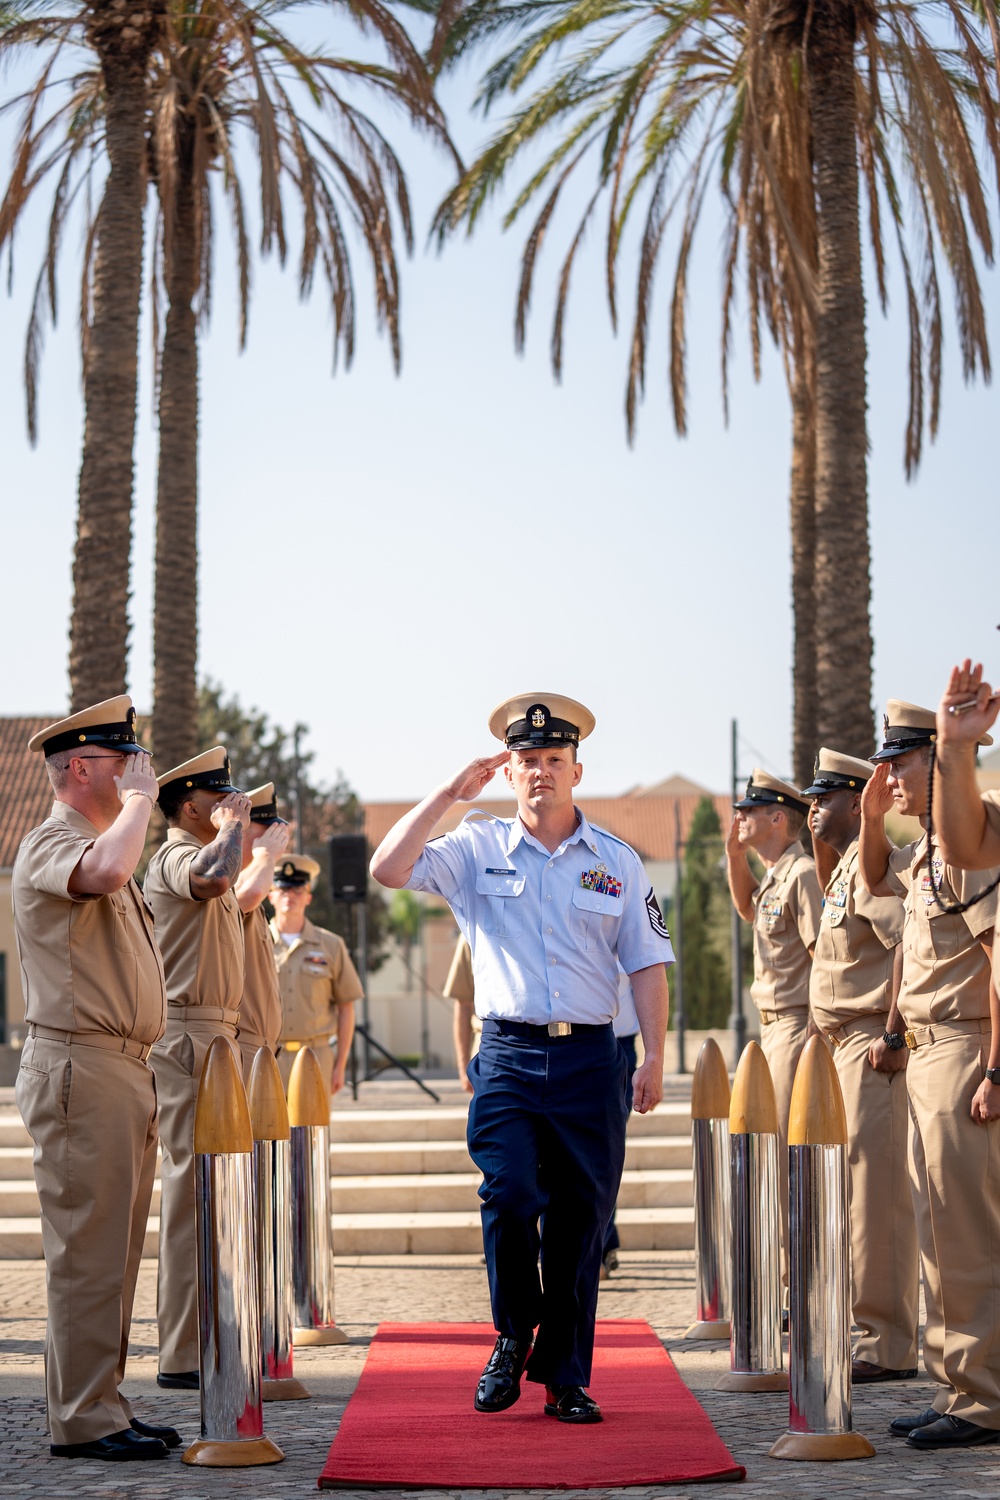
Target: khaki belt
{"points": [[925, 1036], [202, 1013], [768, 1017], [838, 1036], [254, 1038], [104, 1041], [323, 1040]]}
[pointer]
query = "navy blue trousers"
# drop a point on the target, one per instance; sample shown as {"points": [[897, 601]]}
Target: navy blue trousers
{"points": [[627, 1044], [547, 1131]]}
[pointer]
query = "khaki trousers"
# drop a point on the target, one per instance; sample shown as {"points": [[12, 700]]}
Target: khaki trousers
{"points": [[249, 1045], [884, 1269], [177, 1060], [324, 1052], [955, 1178], [92, 1117], [782, 1041]]}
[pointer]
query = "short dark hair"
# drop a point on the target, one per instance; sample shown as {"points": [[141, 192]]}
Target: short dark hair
{"points": [[171, 799]]}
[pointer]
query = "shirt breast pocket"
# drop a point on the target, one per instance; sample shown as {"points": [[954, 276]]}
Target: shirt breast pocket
{"points": [[500, 894], [595, 908]]}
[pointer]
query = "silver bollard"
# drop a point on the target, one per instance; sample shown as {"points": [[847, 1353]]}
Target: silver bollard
{"points": [[712, 1194], [273, 1198], [819, 1269], [232, 1420], [755, 1342], [312, 1230]]}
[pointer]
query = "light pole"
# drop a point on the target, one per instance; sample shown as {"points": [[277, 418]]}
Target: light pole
{"points": [[737, 1020]]}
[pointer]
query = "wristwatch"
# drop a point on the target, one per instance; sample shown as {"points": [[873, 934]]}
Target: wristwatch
{"points": [[894, 1040], [993, 1074]]}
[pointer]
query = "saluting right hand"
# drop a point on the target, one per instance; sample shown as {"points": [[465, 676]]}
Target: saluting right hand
{"points": [[469, 782], [138, 776], [966, 685], [733, 845], [876, 799], [233, 806]]}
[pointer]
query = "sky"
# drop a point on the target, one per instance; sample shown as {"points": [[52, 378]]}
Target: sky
{"points": [[384, 558]]}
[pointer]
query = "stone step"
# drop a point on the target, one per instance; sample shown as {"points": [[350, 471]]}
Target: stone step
{"points": [[364, 1158], [447, 1123]]}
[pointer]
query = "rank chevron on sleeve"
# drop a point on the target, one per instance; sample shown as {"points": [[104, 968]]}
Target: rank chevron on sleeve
{"points": [[656, 916]]}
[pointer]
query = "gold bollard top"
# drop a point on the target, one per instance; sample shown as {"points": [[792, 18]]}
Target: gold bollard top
{"points": [[308, 1100], [710, 1084], [266, 1098], [221, 1116], [754, 1110], [816, 1115]]}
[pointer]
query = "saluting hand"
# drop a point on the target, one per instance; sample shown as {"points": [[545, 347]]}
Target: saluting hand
{"points": [[273, 841], [469, 782], [138, 776], [876, 799], [733, 845], [966, 685], [234, 806]]}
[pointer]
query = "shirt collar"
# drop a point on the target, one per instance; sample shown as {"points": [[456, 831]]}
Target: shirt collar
{"points": [[583, 832], [182, 836], [64, 813]]}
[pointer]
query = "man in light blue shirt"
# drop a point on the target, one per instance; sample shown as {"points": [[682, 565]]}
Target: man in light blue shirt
{"points": [[550, 906]]}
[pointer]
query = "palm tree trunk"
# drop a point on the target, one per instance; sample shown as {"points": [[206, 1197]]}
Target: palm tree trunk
{"points": [[175, 608], [843, 584], [99, 625], [803, 525]]}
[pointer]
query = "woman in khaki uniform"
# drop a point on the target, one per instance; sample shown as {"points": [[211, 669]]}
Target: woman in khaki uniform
{"points": [[784, 910], [316, 979], [260, 1009], [945, 1001], [199, 927], [94, 1003]]}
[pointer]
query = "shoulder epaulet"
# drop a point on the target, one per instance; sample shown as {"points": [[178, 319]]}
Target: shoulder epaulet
{"points": [[480, 812], [606, 833]]}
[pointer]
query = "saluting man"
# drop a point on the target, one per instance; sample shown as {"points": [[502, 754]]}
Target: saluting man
{"points": [[784, 910], [852, 996], [316, 979], [549, 905], [946, 1005], [95, 1004], [264, 839], [199, 927]]}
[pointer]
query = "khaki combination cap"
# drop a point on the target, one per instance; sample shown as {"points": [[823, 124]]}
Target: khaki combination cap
{"points": [[296, 869], [907, 726], [532, 721], [263, 804], [834, 772], [764, 789], [211, 771], [111, 723]]}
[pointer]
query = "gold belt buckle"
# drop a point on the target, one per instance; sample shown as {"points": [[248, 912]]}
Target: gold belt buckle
{"points": [[910, 1039], [560, 1028], [292, 1046]]}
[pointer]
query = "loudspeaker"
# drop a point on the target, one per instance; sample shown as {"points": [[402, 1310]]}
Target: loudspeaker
{"points": [[349, 867]]}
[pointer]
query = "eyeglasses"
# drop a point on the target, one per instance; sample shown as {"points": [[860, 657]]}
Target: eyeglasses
{"points": [[120, 756]]}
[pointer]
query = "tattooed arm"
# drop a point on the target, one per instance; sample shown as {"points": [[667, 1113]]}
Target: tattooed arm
{"points": [[214, 870]]}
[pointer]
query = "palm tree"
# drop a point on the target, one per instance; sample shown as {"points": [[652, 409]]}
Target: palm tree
{"points": [[793, 104], [223, 68], [121, 35]]}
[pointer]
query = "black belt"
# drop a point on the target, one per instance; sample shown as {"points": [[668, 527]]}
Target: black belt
{"points": [[555, 1031]]}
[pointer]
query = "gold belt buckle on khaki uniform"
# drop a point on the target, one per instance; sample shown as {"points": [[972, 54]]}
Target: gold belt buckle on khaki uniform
{"points": [[559, 1028], [910, 1039]]}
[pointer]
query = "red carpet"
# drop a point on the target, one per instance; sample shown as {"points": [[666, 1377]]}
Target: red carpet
{"points": [[411, 1424]]}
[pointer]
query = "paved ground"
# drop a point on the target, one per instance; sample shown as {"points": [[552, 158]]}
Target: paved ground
{"points": [[658, 1286]]}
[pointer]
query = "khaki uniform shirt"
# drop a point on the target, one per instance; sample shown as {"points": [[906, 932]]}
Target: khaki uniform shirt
{"points": [[946, 972], [315, 975], [460, 984], [991, 802], [260, 1010], [201, 941], [787, 906], [88, 963], [852, 963]]}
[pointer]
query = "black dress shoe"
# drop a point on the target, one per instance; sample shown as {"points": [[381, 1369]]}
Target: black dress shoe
{"points": [[168, 1435], [500, 1383], [863, 1372], [952, 1432], [119, 1447], [903, 1426], [187, 1380], [570, 1403]]}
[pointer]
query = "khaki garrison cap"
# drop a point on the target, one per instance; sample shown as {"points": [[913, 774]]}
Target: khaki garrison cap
{"points": [[111, 723], [763, 788], [907, 726], [834, 772], [263, 805], [296, 869], [210, 770], [531, 721]]}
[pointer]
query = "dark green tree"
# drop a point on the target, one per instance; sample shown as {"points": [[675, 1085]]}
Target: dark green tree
{"points": [[706, 922]]}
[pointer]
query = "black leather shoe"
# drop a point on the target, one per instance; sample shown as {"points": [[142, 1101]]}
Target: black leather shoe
{"points": [[570, 1403], [952, 1432], [903, 1426], [863, 1372], [119, 1447], [500, 1383], [187, 1380], [168, 1435]]}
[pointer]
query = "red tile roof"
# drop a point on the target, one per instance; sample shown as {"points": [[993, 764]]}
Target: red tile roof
{"points": [[648, 823], [25, 793]]}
